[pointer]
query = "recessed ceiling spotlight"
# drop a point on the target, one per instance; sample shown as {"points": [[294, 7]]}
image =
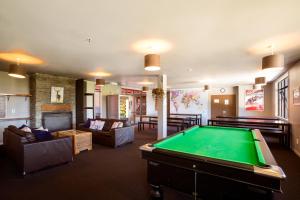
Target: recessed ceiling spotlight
{"points": [[189, 69], [152, 46]]}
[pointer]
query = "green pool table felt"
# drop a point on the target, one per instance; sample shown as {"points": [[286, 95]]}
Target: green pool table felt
{"points": [[230, 144]]}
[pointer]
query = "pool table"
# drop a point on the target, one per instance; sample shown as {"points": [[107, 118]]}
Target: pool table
{"points": [[213, 162]]}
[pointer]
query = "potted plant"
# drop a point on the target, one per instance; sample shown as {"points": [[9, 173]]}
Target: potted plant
{"points": [[158, 93]]}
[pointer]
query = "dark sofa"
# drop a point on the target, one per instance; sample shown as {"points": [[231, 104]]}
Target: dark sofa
{"points": [[36, 155], [110, 137]]}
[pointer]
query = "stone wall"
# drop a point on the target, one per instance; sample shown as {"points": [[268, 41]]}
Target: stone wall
{"points": [[40, 89]]}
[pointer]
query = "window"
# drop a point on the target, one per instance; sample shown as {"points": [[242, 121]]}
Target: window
{"points": [[282, 99]]}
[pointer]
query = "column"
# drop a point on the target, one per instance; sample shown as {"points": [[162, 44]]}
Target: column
{"points": [[162, 108]]}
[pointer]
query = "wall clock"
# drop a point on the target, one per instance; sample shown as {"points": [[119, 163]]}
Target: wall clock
{"points": [[222, 90]]}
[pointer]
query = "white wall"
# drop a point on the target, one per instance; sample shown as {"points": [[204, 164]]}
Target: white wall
{"points": [[150, 104], [10, 85]]}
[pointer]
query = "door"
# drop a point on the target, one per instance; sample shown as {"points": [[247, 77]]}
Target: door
{"points": [[223, 105]]}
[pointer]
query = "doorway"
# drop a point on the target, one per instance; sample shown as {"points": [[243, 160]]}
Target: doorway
{"points": [[223, 105]]}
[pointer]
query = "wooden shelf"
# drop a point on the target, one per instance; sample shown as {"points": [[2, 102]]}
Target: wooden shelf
{"points": [[17, 118], [19, 95]]}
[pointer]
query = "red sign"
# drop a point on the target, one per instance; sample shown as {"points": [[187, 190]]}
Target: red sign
{"points": [[126, 91]]}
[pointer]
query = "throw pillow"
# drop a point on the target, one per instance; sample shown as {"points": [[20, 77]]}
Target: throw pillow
{"points": [[26, 129], [120, 125], [93, 125], [42, 135], [42, 129], [115, 125], [99, 125]]}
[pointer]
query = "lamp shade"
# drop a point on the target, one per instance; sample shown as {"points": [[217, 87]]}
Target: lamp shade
{"points": [[152, 62], [260, 81], [273, 61], [206, 87], [16, 71], [100, 82], [145, 88]]}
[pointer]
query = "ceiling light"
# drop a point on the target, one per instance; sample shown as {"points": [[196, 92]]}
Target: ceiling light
{"points": [[100, 82], [153, 46], [206, 87], [25, 58], [273, 61], [145, 88], [152, 62], [100, 74], [16, 71], [260, 81], [145, 83]]}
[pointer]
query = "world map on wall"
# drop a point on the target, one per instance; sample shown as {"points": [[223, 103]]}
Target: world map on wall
{"points": [[188, 99]]}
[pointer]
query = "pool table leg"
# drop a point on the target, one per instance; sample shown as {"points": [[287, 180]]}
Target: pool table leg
{"points": [[156, 192]]}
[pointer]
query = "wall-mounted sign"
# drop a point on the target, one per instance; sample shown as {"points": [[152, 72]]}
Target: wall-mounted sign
{"points": [[254, 100], [57, 94], [296, 97], [126, 91]]}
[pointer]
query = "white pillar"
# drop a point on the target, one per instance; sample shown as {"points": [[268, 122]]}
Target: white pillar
{"points": [[162, 108]]}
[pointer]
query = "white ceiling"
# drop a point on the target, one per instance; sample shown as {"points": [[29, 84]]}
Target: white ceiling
{"points": [[222, 41]]}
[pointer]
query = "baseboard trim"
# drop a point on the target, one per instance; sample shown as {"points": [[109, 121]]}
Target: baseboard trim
{"points": [[296, 152]]}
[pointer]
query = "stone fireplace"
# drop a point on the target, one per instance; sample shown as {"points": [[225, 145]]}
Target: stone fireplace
{"points": [[42, 111]]}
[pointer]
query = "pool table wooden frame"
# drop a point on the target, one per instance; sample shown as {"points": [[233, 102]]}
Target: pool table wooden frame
{"points": [[184, 171]]}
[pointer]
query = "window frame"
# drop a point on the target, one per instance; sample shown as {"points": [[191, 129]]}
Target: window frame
{"points": [[282, 97]]}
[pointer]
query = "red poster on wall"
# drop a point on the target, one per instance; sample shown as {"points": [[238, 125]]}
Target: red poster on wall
{"points": [[254, 100]]}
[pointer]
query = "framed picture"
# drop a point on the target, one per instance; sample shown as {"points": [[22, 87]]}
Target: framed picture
{"points": [[254, 100], [57, 94], [296, 96]]}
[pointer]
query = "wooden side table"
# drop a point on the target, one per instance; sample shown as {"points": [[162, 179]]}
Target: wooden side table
{"points": [[81, 140]]}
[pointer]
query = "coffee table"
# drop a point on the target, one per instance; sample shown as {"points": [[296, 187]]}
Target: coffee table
{"points": [[82, 140]]}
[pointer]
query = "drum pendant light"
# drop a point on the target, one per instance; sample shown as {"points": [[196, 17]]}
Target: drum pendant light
{"points": [[100, 82], [145, 88], [206, 87], [260, 81], [273, 61], [152, 62], [16, 71]]}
